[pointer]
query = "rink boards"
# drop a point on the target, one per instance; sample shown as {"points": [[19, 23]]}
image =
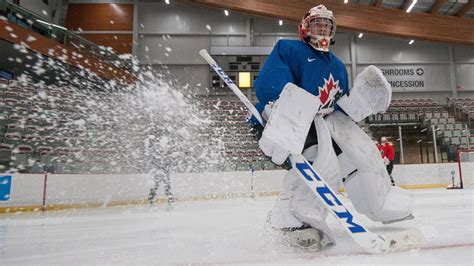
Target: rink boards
{"points": [[31, 192]]}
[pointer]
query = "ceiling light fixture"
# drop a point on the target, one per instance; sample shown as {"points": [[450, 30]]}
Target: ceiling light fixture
{"points": [[411, 5]]}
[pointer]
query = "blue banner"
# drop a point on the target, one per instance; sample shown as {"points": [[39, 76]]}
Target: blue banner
{"points": [[5, 187]]}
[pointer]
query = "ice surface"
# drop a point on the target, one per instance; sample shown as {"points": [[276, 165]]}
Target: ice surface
{"points": [[221, 231]]}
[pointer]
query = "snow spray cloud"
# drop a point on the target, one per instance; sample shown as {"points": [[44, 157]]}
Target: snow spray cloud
{"points": [[148, 127], [97, 126]]}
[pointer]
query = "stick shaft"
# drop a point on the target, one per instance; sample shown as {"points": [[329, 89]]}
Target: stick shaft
{"points": [[231, 84]]}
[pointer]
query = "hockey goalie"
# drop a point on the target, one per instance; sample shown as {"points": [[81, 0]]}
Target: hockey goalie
{"points": [[305, 100]]}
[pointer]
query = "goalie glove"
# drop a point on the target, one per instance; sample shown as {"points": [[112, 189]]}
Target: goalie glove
{"points": [[370, 94], [288, 123]]}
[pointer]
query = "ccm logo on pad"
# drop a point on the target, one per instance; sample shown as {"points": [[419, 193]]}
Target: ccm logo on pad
{"points": [[331, 200]]}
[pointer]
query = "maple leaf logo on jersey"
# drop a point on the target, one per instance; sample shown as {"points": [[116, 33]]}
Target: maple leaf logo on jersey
{"points": [[329, 93], [323, 43]]}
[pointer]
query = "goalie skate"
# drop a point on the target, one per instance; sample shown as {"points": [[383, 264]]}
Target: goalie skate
{"points": [[300, 238], [308, 238]]}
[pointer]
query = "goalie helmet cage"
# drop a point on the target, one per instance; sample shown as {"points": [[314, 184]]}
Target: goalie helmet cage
{"points": [[465, 158]]}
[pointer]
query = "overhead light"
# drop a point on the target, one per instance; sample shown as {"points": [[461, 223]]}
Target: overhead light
{"points": [[167, 2], [360, 35], [226, 12], [411, 42], [346, 1], [413, 2], [280, 22]]}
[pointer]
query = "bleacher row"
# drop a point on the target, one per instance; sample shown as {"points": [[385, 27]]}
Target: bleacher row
{"points": [[407, 110], [449, 131], [241, 149], [427, 112], [38, 131], [34, 130], [463, 105]]}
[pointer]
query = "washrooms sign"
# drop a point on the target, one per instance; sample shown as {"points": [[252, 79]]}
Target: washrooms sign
{"points": [[405, 76], [5, 187]]}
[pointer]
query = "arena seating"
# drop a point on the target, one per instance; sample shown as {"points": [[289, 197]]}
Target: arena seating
{"points": [[427, 112], [32, 132], [241, 148], [462, 106], [35, 134], [407, 110]]}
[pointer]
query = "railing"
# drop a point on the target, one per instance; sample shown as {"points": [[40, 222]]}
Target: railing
{"points": [[28, 19]]}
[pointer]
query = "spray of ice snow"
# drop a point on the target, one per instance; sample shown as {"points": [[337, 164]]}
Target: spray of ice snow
{"points": [[115, 127], [146, 127]]}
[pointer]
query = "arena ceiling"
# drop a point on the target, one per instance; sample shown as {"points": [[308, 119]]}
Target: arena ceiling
{"points": [[450, 21]]}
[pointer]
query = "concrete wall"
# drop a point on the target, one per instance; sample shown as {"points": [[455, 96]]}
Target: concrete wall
{"points": [[464, 58], [188, 28], [46, 11], [27, 190]]}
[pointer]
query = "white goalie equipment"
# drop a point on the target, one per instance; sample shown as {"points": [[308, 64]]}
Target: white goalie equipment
{"points": [[370, 94], [370, 242]]}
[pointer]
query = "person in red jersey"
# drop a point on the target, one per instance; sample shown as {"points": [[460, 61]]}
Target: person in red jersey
{"points": [[388, 155]]}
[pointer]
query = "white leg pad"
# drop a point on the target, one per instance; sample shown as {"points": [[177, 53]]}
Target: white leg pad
{"points": [[281, 216], [346, 166], [326, 162], [369, 187], [297, 204]]}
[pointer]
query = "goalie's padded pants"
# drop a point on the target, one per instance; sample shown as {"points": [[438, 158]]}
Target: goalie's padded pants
{"points": [[368, 184]]}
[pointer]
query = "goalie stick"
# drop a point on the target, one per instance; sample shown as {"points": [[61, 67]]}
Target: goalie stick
{"points": [[370, 242]]}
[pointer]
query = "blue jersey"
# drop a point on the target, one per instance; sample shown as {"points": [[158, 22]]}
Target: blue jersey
{"points": [[320, 73]]}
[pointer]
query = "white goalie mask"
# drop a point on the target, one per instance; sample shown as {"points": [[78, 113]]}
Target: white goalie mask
{"points": [[318, 28]]}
